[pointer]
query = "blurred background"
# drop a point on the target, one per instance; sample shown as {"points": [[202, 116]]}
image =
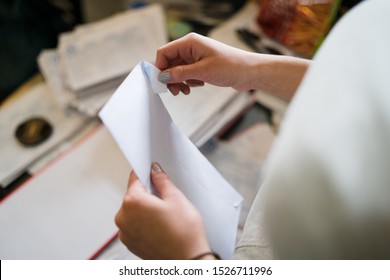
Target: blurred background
{"points": [[28, 26]]}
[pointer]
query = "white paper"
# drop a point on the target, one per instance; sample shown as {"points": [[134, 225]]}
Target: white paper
{"points": [[143, 129], [109, 49], [93, 60], [202, 106], [223, 118], [89, 104], [49, 65], [67, 210]]}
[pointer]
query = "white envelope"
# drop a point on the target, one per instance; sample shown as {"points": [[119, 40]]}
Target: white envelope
{"points": [[144, 131]]}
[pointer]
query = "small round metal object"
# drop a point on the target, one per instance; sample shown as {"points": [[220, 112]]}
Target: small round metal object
{"points": [[33, 131]]}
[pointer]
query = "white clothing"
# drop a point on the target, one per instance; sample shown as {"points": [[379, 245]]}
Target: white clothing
{"points": [[327, 190]]}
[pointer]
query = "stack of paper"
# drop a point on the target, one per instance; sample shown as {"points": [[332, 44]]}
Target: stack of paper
{"points": [[91, 61]]}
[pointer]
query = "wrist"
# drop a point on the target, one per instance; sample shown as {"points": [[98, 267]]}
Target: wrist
{"points": [[255, 71], [209, 255], [279, 75]]}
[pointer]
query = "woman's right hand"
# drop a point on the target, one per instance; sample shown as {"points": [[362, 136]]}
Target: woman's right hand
{"points": [[194, 60]]}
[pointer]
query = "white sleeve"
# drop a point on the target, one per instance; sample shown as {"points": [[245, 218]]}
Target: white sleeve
{"points": [[328, 178]]}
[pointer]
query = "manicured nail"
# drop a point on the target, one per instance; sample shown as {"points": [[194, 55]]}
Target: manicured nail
{"points": [[156, 168], [164, 77]]}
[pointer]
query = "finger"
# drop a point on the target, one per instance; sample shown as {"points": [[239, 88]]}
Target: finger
{"points": [[195, 83], [180, 73], [161, 181], [185, 89], [134, 184], [174, 88], [169, 54], [119, 218], [133, 177]]}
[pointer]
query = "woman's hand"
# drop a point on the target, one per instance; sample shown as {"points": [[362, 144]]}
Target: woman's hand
{"points": [[164, 227], [194, 60]]}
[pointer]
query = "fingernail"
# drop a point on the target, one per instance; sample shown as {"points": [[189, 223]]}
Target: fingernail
{"points": [[156, 168], [164, 77]]}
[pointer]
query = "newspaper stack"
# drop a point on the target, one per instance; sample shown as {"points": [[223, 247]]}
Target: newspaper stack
{"points": [[91, 61]]}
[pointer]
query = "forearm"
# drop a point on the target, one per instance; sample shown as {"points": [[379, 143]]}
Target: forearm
{"points": [[194, 58], [279, 75]]}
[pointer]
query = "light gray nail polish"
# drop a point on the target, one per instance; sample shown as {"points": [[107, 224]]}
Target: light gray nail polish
{"points": [[164, 77], [156, 167]]}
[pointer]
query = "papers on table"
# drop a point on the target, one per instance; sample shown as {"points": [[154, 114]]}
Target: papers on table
{"points": [[91, 61], [205, 111], [29, 213], [67, 210], [144, 131], [36, 102]]}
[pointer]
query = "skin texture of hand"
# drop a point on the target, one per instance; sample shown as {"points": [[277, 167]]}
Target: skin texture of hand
{"points": [[197, 59], [164, 227], [194, 60]]}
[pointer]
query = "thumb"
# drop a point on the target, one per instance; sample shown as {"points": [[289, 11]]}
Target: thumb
{"points": [[161, 181], [181, 73]]}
